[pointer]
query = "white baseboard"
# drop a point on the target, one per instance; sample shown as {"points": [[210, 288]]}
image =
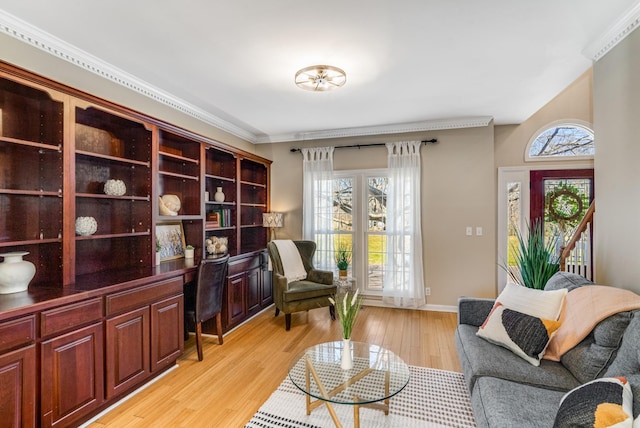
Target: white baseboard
{"points": [[377, 301]]}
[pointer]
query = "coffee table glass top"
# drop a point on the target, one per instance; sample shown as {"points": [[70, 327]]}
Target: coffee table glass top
{"points": [[377, 373]]}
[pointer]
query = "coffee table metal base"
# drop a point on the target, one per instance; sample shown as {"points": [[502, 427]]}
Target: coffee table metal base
{"points": [[326, 395]]}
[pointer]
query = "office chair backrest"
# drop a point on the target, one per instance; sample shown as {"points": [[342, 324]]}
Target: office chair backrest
{"points": [[212, 275]]}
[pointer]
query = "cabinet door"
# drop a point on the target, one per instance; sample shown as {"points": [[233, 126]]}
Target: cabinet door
{"points": [[167, 330], [72, 375], [18, 391], [235, 299], [254, 284], [267, 288], [127, 351]]}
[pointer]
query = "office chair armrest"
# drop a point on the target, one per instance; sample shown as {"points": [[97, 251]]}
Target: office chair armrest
{"points": [[320, 276]]}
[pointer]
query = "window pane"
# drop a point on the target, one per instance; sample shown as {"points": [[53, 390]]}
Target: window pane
{"points": [[376, 258], [566, 202], [343, 204], [566, 140], [514, 217], [377, 203]]}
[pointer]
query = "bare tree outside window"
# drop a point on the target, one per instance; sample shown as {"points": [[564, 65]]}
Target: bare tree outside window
{"points": [[564, 140]]}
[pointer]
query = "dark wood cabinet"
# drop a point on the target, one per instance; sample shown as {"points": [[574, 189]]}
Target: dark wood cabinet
{"points": [[144, 328], [72, 376], [235, 306], [167, 329], [248, 290], [18, 391], [100, 318], [127, 351]]}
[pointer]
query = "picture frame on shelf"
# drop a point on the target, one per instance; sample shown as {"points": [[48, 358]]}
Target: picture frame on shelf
{"points": [[170, 235]]}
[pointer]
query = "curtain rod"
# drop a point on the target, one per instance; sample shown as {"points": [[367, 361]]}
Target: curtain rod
{"points": [[358, 146]]}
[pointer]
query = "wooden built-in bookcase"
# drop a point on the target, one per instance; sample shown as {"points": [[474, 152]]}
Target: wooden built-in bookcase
{"points": [[59, 146], [100, 318]]}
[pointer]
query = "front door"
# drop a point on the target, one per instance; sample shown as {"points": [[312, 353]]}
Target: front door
{"points": [[560, 199]]}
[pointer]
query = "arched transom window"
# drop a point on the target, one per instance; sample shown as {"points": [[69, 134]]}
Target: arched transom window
{"points": [[560, 141]]}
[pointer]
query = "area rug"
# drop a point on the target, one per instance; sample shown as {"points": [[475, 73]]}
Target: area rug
{"points": [[432, 399]]}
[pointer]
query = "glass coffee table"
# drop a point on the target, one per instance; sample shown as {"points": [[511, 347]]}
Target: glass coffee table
{"points": [[377, 375]]}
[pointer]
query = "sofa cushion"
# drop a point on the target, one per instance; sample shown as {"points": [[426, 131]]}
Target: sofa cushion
{"points": [[525, 335], [480, 358], [603, 402], [499, 403], [566, 280], [627, 360], [591, 357], [537, 303]]}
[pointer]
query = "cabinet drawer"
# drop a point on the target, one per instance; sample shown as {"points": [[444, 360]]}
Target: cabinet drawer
{"points": [[71, 316], [244, 264], [142, 296], [17, 332]]}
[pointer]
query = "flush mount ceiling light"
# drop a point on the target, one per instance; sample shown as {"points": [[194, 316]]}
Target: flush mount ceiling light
{"points": [[320, 78]]}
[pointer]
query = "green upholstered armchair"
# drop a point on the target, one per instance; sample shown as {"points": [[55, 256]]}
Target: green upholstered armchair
{"points": [[309, 293]]}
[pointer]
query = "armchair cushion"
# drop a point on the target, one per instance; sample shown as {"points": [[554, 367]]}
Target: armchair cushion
{"points": [[303, 290]]}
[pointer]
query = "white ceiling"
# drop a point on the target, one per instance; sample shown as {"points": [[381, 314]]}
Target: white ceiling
{"points": [[410, 64]]}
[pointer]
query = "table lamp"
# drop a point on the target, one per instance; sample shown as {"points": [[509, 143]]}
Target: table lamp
{"points": [[272, 220]]}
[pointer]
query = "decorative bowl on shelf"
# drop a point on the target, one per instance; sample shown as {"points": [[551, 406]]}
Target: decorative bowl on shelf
{"points": [[115, 187], [86, 226]]}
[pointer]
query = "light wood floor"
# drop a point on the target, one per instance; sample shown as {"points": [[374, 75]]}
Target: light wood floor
{"points": [[233, 381]]}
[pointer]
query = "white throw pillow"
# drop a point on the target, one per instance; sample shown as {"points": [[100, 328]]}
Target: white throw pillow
{"points": [[537, 303]]}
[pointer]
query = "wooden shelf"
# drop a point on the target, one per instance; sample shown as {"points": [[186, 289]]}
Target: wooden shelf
{"points": [[31, 192], [44, 146], [122, 198], [112, 235], [176, 175], [113, 158], [178, 157], [30, 242]]}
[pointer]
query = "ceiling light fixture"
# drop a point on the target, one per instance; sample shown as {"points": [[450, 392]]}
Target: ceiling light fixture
{"points": [[320, 78]]}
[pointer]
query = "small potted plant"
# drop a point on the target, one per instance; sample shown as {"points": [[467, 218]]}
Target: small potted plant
{"points": [[343, 258], [158, 248], [188, 252]]}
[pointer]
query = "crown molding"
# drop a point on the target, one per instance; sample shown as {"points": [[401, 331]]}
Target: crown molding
{"points": [[628, 22], [428, 125], [31, 35]]}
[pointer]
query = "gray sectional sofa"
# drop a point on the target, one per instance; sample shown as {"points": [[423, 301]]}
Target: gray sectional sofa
{"points": [[507, 391]]}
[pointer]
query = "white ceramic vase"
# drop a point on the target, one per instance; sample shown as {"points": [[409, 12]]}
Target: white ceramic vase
{"points": [[346, 361], [158, 258], [15, 273], [218, 196], [189, 253]]}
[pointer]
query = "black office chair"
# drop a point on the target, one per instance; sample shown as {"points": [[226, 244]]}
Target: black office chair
{"points": [[203, 300]]}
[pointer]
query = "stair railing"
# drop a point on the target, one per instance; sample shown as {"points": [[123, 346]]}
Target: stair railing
{"points": [[577, 255]]}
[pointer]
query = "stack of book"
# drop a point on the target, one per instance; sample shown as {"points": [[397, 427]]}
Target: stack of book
{"points": [[219, 218]]}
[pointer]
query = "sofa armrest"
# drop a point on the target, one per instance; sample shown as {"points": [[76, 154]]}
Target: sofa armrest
{"points": [[473, 310], [320, 276]]}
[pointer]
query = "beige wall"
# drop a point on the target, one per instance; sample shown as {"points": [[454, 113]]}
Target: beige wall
{"points": [[574, 103], [617, 126], [458, 185]]}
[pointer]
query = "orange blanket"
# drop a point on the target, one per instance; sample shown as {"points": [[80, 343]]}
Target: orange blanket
{"points": [[584, 308]]}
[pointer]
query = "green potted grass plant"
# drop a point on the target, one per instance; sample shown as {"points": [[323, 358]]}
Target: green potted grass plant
{"points": [[536, 258]]}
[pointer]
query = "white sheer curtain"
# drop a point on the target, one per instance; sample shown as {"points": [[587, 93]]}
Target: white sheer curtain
{"points": [[317, 204], [403, 279]]}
